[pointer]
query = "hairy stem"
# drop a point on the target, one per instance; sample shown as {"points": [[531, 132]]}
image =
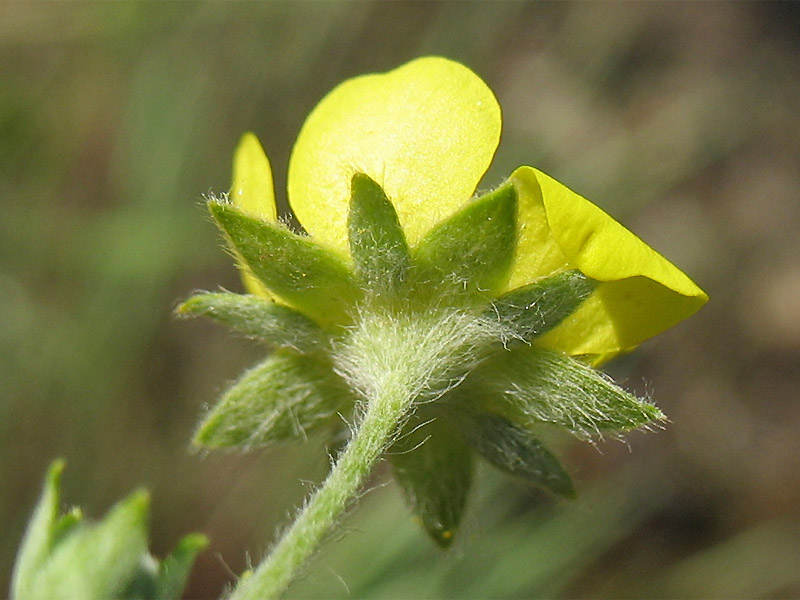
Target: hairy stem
{"points": [[382, 415], [392, 358]]}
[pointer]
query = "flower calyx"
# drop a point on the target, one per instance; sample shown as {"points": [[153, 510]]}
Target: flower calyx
{"points": [[437, 320]]}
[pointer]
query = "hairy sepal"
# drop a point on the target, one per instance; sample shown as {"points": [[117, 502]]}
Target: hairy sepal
{"points": [[433, 465], [475, 246], [533, 385], [285, 397], [516, 451], [377, 242], [275, 324], [308, 276], [535, 309]]}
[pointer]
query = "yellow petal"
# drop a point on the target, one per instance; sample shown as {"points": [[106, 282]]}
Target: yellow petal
{"points": [[252, 191], [640, 292], [426, 132]]}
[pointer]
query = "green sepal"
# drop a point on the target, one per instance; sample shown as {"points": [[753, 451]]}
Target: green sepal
{"points": [[433, 465], [534, 309], [516, 451], [40, 535], [96, 560], [534, 385], [256, 317], [308, 276], [285, 397], [174, 569], [475, 246], [377, 242]]}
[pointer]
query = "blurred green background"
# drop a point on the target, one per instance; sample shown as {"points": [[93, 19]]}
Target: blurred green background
{"points": [[682, 120]]}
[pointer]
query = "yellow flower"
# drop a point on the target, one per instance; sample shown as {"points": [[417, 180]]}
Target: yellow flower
{"points": [[415, 305], [427, 132]]}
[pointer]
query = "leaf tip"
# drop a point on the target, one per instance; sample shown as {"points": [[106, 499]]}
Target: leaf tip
{"points": [[53, 478]]}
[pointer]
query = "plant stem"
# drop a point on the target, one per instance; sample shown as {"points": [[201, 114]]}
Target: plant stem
{"points": [[382, 415]]}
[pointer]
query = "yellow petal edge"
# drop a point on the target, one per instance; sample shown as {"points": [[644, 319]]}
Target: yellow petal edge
{"points": [[641, 293], [252, 191], [426, 131]]}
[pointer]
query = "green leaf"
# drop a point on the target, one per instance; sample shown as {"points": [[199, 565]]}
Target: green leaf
{"points": [[285, 397], [377, 242], [530, 385], [65, 557], [40, 535], [535, 309], [475, 246], [275, 324], [174, 569], [97, 560], [165, 580], [313, 279], [433, 465], [516, 451]]}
